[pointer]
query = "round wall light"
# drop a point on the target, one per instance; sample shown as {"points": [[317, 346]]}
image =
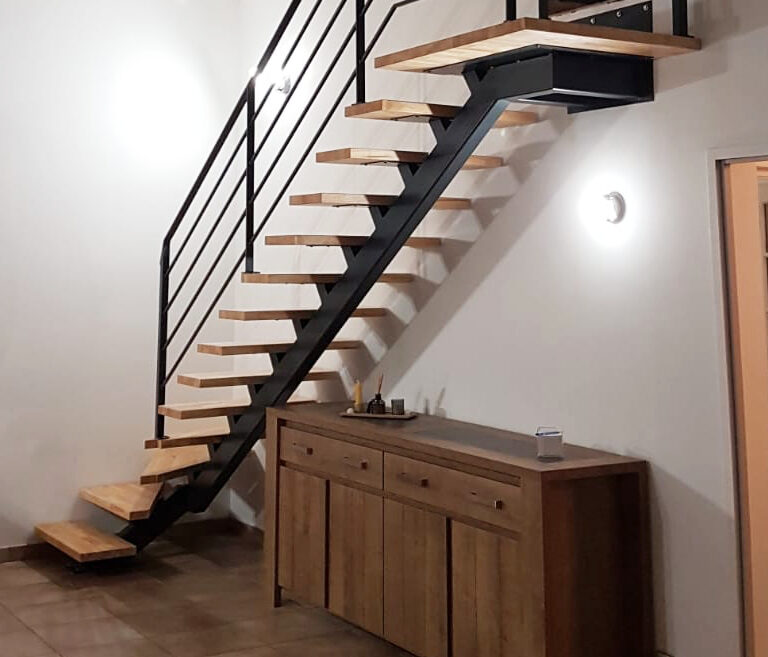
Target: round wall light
{"points": [[614, 208]]}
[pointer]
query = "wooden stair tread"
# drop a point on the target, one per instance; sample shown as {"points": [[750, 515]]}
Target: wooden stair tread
{"points": [[315, 279], [171, 463], [245, 348], [410, 112], [129, 501], [84, 543], [186, 439], [223, 379], [385, 157], [344, 240], [209, 409], [333, 200], [298, 314], [528, 32]]}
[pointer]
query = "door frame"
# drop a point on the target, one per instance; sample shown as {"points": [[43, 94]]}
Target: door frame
{"points": [[717, 162]]}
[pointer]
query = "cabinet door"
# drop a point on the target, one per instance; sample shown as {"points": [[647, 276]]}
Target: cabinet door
{"points": [[487, 600], [355, 557], [301, 529], [415, 580]]}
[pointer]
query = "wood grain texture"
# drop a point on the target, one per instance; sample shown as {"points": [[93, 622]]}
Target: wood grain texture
{"points": [[748, 299], [271, 510], [224, 379], [368, 200], [187, 438], [387, 157], [356, 557], [340, 459], [302, 543], [202, 410], [84, 543], [415, 580], [316, 279], [243, 348], [487, 594], [345, 240], [168, 464], [128, 501], [277, 315], [399, 110], [527, 32]]}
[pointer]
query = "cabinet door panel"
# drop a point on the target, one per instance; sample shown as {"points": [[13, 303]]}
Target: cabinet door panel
{"points": [[487, 597], [355, 557], [415, 580], [301, 528]]}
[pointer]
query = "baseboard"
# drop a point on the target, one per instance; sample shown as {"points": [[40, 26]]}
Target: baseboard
{"points": [[185, 529]]}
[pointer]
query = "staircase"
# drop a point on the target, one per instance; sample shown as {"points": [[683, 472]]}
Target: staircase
{"points": [[581, 66]]}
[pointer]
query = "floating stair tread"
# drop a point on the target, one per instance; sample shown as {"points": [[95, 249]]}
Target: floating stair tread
{"points": [[300, 314], [315, 279], [84, 543], [223, 379], [187, 439], [344, 240], [385, 157], [209, 409], [528, 32], [401, 110], [170, 463], [244, 348], [127, 501], [370, 200]]}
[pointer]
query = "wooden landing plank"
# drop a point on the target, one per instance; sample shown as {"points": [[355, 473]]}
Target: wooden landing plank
{"points": [[84, 543], [299, 314], [344, 240], [527, 32], [187, 439], [369, 200], [224, 379], [315, 279], [209, 409], [244, 348], [168, 464], [410, 112], [129, 501], [386, 157]]}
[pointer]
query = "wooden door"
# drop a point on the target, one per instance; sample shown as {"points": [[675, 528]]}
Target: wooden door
{"points": [[487, 598], [356, 557], [415, 580], [301, 527], [747, 267]]}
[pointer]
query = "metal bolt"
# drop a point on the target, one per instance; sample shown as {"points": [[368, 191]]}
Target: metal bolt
{"points": [[646, 8], [592, 21], [619, 13]]}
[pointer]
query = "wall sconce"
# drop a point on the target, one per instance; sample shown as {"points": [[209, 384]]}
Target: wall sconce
{"points": [[277, 77], [613, 208]]}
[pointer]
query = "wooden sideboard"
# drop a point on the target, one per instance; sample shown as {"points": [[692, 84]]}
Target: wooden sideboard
{"points": [[447, 538]]}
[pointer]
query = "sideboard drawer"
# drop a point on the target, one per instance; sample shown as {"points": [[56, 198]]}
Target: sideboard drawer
{"points": [[332, 457], [457, 492]]}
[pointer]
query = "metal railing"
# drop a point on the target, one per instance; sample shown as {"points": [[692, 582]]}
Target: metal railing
{"points": [[247, 104]]}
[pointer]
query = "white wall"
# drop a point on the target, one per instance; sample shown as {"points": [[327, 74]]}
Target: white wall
{"points": [[107, 111]]}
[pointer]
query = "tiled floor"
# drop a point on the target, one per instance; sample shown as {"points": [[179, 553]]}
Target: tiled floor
{"points": [[185, 596]]}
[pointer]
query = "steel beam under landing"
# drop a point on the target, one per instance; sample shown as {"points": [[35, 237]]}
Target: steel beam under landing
{"points": [[579, 81]]}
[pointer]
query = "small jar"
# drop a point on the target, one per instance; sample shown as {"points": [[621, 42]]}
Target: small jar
{"points": [[549, 442], [377, 406]]}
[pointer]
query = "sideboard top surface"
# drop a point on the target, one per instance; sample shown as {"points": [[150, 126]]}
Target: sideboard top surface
{"points": [[473, 444]]}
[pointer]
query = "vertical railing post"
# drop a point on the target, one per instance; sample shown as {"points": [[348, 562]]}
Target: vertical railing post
{"points": [[680, 17], [360, 50], [250, 173], [162, 338], [511, 10], [543, 8]]}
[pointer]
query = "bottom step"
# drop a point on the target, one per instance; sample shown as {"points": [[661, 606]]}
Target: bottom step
{"points": [[84, 543]]}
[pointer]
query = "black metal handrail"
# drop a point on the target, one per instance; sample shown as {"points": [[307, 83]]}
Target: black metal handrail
{"points": [[247, 102]]}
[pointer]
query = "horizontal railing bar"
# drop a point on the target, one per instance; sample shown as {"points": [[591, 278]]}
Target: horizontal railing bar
{"points": [[393, 9]]}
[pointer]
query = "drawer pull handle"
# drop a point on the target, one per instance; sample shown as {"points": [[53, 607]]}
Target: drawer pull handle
{"points": [[415, 481], [494, 504], [303, 448], [353, 463]]}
